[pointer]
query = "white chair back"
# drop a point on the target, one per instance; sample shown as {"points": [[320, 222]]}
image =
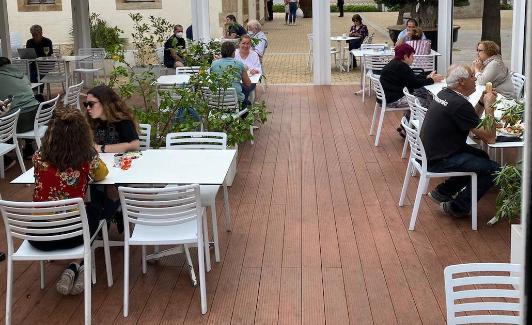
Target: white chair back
{"points": [[223, 99], [160, 207], [196, 140], [97, 54], [419, 112], [145, 136], [50, 67], [377, 88], [187, 70], [8, 126], [167, 89], [425, 62], [479, 293], [417, 151], [22, 65], [518, 80], [45, 221], [411, 99], [45, 113], [72, 96], [375, 62], [369, 45]]}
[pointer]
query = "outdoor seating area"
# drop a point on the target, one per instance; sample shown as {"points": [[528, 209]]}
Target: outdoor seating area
{"points": [[273, 169]]}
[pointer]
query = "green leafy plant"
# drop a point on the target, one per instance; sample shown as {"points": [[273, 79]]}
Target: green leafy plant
{"points": [[513, 114], [148, 36], [199, 53], [104, 36], [508, 202]]}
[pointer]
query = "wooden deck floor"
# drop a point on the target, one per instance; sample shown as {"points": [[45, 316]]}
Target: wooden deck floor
{"points": [[317, 237]]}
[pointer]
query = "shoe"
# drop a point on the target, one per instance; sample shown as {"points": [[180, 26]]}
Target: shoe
{"points": [[78, 286], [447, 208], [66, 280], [438, 197]]}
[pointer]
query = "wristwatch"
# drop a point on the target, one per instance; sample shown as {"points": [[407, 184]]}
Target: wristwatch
{"points": [[102, 148]]}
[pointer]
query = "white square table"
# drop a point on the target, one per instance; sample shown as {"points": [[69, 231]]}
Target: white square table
{"points": [[183, 79]]}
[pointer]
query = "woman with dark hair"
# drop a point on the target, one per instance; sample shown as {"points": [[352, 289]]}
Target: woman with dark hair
{"points": [[63, 167], [241, 81], [358, 29], [489, 67]]}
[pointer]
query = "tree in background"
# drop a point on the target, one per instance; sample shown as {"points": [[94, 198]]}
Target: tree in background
{"points": [[491, 21], [306, 6]]}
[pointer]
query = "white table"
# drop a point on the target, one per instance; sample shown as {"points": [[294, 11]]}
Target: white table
{"points": [[339, 40], [183, 79]]}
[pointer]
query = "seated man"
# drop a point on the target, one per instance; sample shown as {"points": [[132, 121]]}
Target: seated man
{"points": [[232, 29], [171, 59], [447, 124], [406, 34], [43, 47], [255, 32]]}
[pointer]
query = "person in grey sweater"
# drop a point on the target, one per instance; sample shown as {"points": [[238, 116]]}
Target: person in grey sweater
{"points": [[489, 67]]}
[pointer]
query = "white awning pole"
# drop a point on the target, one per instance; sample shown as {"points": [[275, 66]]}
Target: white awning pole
{"points": [[200, 20], [445, 34], [321, 42], [4, 31]]}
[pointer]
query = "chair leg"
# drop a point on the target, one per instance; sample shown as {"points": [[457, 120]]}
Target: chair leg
{"points": [[87, 289], [2, 171], [9, 290], [201, 271], [41, 264], [19, 157], [363, 76], [206, 243], [474, 201], [405, 183], [107, 254], [38, 141], [144, 264], [375, 110], [379, 128], [93, 266], [251, 132], [417, 203], [214, 222], [126, 279], [405, 146]]}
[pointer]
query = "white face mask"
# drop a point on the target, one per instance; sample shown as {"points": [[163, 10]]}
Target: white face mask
{"points": [[179, 34]]}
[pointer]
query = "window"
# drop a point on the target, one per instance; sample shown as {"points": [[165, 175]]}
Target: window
{"points": [[138, 4], [39, 5]]}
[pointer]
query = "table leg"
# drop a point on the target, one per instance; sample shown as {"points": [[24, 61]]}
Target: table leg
{"points": [[227, 209]]}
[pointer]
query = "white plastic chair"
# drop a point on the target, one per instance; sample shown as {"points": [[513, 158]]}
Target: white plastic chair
{"points": [[46, 221], [163, 216], [417, 115], [334, 52], [211, 141], [518, 80], [480, 295], [187, 70], [22, 65], [72, 96], [418, 160], [52, 71], [8, 127], [373, 64], [425, 62], [93, 64], [379, 93], [42, 118], [145, 136]]}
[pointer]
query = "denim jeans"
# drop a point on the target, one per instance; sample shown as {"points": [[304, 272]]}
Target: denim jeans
{"points": [[292, 6], [469, 160]]}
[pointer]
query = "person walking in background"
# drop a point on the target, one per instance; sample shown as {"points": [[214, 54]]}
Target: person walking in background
{"points": [[292, 6], [269, 5], [286, 12], [340, 5]]}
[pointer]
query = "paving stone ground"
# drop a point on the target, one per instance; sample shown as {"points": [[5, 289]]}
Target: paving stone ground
{"points": [[287, 53]]}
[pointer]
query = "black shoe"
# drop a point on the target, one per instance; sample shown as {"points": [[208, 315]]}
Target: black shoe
{"points": [[438, 197], [447, 208]]}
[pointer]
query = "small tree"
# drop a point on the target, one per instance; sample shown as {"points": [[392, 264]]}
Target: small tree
{"points": [[491, 21]]}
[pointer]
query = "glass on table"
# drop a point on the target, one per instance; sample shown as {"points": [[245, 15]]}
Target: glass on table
{"points": [[46, 50]]}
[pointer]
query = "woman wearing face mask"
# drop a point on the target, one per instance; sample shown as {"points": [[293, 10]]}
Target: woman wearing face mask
{"points": [[176, 41]]}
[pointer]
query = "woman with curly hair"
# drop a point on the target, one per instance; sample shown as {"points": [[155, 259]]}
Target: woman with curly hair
{"points": [[489, 67], [63, 167], [113, 124]]}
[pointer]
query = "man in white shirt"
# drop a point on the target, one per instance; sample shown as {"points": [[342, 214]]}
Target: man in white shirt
{"points": [[255, 32], [405, 34]]}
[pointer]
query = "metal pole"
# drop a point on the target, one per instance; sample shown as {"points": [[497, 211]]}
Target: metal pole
{"points": [[4, 31]]}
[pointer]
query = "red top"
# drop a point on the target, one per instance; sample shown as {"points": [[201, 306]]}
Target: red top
{"points": [[52, 185]]}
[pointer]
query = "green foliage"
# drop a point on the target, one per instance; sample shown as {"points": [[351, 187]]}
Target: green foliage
{"points": [[198, 53], [506, 6], [146, 37], [104, 36], [508, 202]]}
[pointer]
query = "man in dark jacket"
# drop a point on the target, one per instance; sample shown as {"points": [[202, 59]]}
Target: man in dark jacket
{"points": [[397, 74], [174, 42]]}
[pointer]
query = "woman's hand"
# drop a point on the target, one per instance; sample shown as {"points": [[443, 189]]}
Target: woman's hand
{"points": [[98, 148], [253, 71], [477, 65], [434, 76]]}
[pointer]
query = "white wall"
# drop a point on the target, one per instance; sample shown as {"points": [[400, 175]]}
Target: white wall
{"points": [[57, 25]]}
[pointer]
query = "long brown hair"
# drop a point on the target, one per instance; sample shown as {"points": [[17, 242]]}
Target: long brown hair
{"points": [[68, 140], [114, 108]]}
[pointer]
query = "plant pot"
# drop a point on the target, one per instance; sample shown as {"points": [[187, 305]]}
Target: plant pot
{"points": [[231, 173], [430, 33], [517, 244]]}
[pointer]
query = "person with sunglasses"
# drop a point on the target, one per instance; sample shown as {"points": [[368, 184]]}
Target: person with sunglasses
{"points": [[115, 130], [489, 67]]}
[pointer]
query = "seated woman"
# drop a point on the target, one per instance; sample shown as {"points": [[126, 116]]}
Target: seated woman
{"points": [[115, 130], [241, 81], [249, 58], [63, 167], [489, 67], [357, 30]]}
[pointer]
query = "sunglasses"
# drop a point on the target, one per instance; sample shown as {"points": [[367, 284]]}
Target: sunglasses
{"points": [[89, 104], [479, 50]]}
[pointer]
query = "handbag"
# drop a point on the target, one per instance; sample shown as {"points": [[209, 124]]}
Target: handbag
{"points": [[299, 13]]}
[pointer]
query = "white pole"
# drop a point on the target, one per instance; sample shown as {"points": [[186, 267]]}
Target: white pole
{"points": [[4, 31], [518, 37], [252, 5], [200, 20], [321, 42], [81, 24], [445, 34]]}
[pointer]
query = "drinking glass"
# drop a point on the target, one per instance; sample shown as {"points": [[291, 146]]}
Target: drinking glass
{"points": [[46, 50]]}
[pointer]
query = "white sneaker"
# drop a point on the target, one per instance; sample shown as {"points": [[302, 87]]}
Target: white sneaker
{"points": [[66, 280], [78, 286]]}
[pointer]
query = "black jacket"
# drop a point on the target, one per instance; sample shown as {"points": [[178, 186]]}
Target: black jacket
{"points": [[396, 75]]}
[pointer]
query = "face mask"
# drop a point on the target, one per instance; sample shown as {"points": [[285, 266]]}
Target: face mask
{"points": [[179, 34]]}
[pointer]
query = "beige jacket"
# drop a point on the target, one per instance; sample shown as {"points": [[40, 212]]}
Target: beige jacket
{"points": [[498, 74]]}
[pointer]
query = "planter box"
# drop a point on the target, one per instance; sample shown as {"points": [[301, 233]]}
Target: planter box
{"points": [[517, 251]]}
